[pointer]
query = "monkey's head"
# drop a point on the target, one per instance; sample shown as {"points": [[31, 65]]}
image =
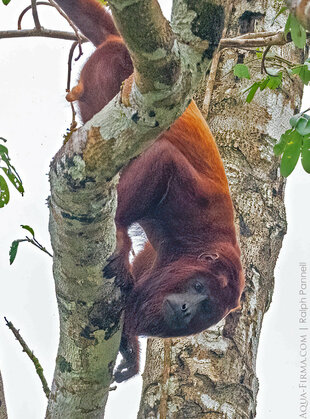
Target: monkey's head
{"points": [[188, 295]]}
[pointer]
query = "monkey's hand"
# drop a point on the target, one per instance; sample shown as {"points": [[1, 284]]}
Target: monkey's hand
{"points": [[116, 267]]}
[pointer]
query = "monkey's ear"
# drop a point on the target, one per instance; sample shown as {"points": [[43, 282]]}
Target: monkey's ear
{"points": [[208, 257], [218, 268]]}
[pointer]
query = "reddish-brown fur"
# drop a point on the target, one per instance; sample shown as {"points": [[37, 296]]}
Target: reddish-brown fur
{"points": [[110, 64], [178, 192]]}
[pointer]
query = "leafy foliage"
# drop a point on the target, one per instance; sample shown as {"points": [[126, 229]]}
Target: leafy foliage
{"points": [[282, 10], [272, 81], [6, 2], [293, 143], [242, 71], [10, 173], [4, 192], [33, 240], [298, 33], [303, 71], [13, 249], [28, 228]]}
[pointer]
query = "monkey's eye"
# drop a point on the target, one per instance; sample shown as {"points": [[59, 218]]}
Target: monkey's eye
{"points": [[198, 287]]}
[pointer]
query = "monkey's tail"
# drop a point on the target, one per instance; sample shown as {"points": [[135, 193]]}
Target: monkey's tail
{"points": [[91, 18]]}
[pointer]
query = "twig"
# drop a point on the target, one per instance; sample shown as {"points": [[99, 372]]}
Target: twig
{"points": [[250, 40], [263, 67], [38, 245], [70, 65], [39, 3], [75, 29], [73, 122], [30, 354], [258, 39], [35, 14], [73, 46], [73, 125], [214, 65], [47, 33], [80, 38], [307, 110], [288, 63]]}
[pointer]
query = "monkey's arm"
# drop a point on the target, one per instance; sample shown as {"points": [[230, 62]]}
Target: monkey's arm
{"points": [[130, 351], [142, 186], [144, 182]]}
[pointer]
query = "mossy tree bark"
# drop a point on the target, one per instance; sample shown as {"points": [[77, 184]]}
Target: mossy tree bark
{"points": [[3, 411], [169, 63], [212, 375]]}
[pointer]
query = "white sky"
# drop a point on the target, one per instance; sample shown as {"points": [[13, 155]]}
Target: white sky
{"points": [[33, 117]]}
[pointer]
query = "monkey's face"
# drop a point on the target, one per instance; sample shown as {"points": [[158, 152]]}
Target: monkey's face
{"points": [[193, 309], [184, 298]]}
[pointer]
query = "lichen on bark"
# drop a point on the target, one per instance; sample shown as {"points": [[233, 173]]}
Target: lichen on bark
{"points": [[213, 375]]}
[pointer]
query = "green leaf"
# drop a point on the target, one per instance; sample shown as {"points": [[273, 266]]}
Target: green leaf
{"points": [[287, 27], [298, 33], [280, 146], [263, 83], [6, 2], [242, 71], [303, 126], [13, 250], [259, 53], [14, 179], [291, 153], [4, 192], [253, 90], [3, 150], [274, 82], [282, 10], [25, 227], [4, 155], [303, 72], [305, 154], [294, 120]]}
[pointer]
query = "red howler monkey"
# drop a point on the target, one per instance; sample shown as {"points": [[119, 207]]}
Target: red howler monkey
{"points": [[189, 275]]}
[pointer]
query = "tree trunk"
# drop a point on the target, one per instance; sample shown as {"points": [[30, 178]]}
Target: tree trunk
{"points": [[212, 375], [3, 412], [169, 64]]}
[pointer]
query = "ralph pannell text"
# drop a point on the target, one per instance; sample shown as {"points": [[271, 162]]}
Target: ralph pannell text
{"points": [[303, 342]]}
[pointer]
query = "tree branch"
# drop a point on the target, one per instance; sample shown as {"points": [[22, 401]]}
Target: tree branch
{"points": [[47, 33], [3, 410], [31, 355], [154, 57], [38, 3], [215, 63], [35, 14], [83, 199], [250, 40], [258, 39]]}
